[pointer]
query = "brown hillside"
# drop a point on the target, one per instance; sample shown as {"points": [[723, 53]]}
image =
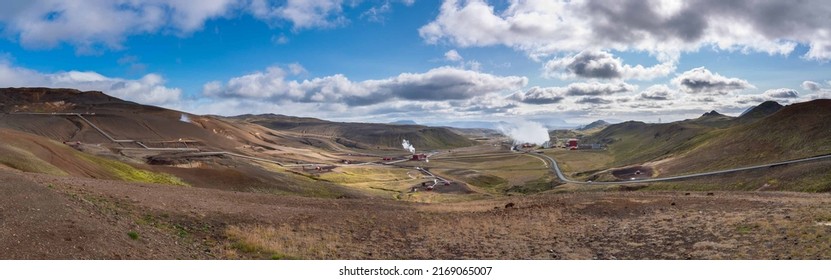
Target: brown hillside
{"points": [[366, 135], [795, 131]]}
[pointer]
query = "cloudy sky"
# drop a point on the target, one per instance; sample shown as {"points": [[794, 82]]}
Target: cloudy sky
{"points": [[429, 61]]}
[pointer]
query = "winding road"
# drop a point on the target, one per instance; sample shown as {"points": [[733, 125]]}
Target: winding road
{"points": [[563, 178]]}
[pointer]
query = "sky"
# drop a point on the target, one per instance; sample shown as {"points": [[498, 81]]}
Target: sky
{"points": [[433, 62]]}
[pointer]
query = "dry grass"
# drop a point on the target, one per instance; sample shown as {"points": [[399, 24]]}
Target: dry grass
{"points": [[26, 161], [581, 161], [286, 242], [493, 172], [379, 181]]}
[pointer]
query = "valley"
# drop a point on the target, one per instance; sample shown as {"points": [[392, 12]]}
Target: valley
{"points": [[89, 176]]}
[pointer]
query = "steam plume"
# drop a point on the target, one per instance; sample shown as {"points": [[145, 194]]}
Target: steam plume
{"points": [[407, 146], [526, 132]]}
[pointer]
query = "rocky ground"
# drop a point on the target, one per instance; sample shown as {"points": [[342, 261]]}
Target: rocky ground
{"points": [[54, 217]]}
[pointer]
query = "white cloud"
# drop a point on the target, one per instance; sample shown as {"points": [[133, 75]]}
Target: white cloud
{"points": [[816, 87], [377, 13], [279, 39], [658, 92], [603, 65], [540, 95], [452, 55], [444, 83], [92, 25], [781, 93], [594, 100], [595, 89], [702, 81], [551, 95], [303, 14], [662, 27], [150, 89], [89, 24]]}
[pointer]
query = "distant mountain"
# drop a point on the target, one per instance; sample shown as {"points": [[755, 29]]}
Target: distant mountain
{"points": [[495, 125], [712, 114], [766, 133], [765, 109], [470, 124], [364, 135], [793, 131], [595, 125], [404, 122]]}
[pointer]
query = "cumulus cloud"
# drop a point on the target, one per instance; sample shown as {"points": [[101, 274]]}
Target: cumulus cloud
{"points": [[593, 100], [811, 85], [702, 81], [603, 65], [452, 55], [149, 89], [89, 24], [551, 95], [489, 104], [444, 83], [540, 95], [302, 14], [662, 27], [657, 92], [781, 93], [595, 89]]}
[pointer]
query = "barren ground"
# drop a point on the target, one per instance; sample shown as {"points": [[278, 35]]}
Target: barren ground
{"points": [[55, 217]]}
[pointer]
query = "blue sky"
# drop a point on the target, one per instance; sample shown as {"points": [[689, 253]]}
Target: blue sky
{"points": [[428, 61]]}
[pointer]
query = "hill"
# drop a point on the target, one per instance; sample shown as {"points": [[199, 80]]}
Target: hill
{"points": [[365, 135], [91, 134], [794, 131], [765, 109], [599, 124], [405, 122], [715, 141]]}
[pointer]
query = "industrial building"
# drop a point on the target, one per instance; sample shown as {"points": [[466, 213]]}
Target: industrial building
{"points": [[572, 144]]}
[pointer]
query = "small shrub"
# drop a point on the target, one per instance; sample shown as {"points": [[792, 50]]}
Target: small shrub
{"points": [[133, 235]]}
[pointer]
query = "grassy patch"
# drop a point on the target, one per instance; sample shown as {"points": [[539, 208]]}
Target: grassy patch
{"points": [[372, 178], [535, 186], [133, 235], [285, 242], [278, 256], [24, 160], [746, 228], [128, 173], [487, 181]]}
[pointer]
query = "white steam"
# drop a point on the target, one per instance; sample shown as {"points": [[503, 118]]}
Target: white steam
{"points": [[407, 146], [184, 118], [525, 132]]}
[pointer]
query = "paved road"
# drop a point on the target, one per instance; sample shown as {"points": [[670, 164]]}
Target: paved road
{"points": [[563, 178]]}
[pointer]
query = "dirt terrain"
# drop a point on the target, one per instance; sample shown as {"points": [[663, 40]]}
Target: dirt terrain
{"points": [[57, 217], [70, 191]]}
